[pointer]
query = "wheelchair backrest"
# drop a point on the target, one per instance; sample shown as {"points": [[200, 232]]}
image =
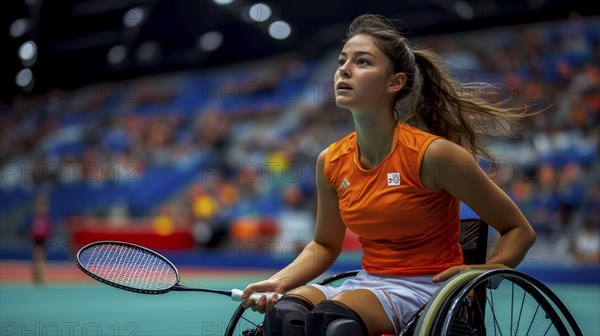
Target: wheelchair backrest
{"points": [[473, 238]]}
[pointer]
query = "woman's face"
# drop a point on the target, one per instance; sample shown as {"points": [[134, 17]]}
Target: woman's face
{"points": [[363, 76]]}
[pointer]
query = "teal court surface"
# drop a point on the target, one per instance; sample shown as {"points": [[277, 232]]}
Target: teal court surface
{"points": [[69, 303]]}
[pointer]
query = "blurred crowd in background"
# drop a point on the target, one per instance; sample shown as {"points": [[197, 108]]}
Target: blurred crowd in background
{"points": [[229, 154]]}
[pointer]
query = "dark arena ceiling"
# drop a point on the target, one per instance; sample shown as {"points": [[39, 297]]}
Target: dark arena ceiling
{"points": [[78, 42]]}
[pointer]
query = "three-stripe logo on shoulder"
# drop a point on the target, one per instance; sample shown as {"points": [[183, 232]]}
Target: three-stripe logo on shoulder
{"points": [[345, 184]]}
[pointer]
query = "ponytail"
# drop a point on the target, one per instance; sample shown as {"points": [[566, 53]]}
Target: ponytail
{"points": [[453, 110]]}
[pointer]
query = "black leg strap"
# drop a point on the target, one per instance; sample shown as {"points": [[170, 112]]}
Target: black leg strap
{"points": [[288, 317], [333, 318]]}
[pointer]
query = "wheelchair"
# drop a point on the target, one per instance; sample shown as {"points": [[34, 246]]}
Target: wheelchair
{"points": [[476, 302]]}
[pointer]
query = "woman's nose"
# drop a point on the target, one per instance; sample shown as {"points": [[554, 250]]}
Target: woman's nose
{"points": [[344, 73]]}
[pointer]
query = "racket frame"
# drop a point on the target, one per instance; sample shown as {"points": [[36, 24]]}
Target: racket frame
{"points": [[114, 284]]}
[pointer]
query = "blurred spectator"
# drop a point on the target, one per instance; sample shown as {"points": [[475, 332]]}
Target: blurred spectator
{"points": [[164, 223], [204, 209], [571, 190], [544, 217], [586, 244], [296, 222], [40, 228]]}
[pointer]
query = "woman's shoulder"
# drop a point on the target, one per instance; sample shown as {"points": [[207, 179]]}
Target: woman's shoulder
{"points": [[330, 159], [445, 151], [444, 161], [341, 147]]}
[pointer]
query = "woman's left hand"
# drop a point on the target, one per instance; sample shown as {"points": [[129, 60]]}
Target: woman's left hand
{"points": [[454, 270]]}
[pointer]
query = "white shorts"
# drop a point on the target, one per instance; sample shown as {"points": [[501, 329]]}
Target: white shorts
{"points": [[400, 296]]}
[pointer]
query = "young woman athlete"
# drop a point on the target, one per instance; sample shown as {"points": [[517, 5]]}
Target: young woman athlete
{"points": [[397, 182]]}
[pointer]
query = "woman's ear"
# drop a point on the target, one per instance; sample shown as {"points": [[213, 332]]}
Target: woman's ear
{"points": [[397, 82]]}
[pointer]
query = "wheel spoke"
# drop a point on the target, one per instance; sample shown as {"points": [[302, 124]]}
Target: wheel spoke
{"points": [[512, 300], [245, 319], [491, 303], [548, 329], [533, 319], [481, 312], [520, 311]]}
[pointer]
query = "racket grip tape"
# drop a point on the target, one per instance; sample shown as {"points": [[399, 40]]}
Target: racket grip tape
{"points": [[236, 295]]}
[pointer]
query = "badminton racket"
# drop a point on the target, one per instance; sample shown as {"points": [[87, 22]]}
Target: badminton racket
{"points": [[138, 269]]}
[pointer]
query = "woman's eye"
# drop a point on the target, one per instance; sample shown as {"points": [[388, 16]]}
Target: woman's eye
{"points": [[341, 62], [362, 62]]}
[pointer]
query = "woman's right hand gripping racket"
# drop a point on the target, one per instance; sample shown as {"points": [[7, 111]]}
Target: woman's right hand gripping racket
{"points": [[138, 269]]}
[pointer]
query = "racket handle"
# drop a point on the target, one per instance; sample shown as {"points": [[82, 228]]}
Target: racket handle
{"points": [[236, 295]]}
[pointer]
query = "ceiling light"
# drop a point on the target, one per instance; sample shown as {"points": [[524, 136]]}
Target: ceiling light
{"points": [[116, 55], [148, 52], [28, 53], [19, 28], [280, 30], [223, 2], [134, 17], [259, 12], [463, 9], [24, 78], [210, 41]]}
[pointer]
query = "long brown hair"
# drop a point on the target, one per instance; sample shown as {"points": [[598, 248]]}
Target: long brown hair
{"points": [[431, 99]]}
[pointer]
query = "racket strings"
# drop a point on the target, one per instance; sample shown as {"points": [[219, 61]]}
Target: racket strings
{"points": [[129, 266]]}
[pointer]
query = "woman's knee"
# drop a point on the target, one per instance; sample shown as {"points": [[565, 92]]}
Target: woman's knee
{"points": [[308, 293], [367, 306]]}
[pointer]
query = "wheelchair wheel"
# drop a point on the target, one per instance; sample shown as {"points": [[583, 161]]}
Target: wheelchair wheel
{"points": [[498, 302], [245, 321]]}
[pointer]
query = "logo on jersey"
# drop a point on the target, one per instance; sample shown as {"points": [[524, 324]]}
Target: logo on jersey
{"points": [[393, 179], [345, 184]]}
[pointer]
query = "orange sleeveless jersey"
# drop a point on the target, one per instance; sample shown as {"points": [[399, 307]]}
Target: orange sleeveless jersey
{"points": [[404, 228]]}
